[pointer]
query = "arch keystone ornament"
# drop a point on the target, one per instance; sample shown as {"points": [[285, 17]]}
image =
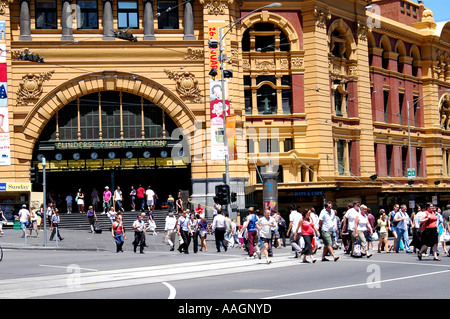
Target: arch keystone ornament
{"points": [[30, 88]]}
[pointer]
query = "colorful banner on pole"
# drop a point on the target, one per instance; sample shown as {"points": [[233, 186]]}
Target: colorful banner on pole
{"points": [[231, 137], [5, 144], [218, 150]]}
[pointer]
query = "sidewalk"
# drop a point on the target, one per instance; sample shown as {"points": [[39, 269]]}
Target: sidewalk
{"points": [[76, 240]]}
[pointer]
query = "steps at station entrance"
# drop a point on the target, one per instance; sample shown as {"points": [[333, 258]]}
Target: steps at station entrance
{"points": [[77, 221]]}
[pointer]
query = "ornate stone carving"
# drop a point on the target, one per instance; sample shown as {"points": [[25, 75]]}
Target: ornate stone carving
{"points": [[321, 16], [215, 7], [187, 85], [3, 5], [361, 31], [297, 63], [194, 54], [31, 86], [265, 66]]}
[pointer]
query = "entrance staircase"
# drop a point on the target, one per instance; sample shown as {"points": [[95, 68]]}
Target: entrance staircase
{"points": [[77, 221]]}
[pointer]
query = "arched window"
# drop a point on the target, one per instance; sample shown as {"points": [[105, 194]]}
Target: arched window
{"points": [[108, 115]]}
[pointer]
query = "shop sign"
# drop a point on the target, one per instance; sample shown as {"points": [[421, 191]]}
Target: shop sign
{"points": [[109, 144], [15, 187]]}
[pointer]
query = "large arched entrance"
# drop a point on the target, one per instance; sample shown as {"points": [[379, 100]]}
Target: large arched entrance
{"points": [[115, 137]]}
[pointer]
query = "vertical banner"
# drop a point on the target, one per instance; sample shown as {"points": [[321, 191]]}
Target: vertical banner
{"points": [[231, 137], [218, 149], [5, 145]]}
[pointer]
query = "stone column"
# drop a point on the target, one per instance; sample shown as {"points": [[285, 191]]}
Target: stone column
{"points": [[25, 24], [188, 22], [66, 21], [149, 27], [108, 24]]}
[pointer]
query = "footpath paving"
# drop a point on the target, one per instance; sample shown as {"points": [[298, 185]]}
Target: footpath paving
{"points": [[76, 240]]}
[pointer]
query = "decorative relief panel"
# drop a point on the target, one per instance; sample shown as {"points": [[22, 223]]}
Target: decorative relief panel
{"points": [[30, 88], [194, 54], [187, 85]]}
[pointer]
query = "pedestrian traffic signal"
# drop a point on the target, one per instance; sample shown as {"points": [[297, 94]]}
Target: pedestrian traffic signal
{"points": [[223, 194], [34, 175], [233, 197]]}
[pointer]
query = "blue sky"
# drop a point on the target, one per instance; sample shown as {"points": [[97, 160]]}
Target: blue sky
{"points": [[440, 8]]}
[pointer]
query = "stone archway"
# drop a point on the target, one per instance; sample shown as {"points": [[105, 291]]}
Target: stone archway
{"points": [[46, 108]]}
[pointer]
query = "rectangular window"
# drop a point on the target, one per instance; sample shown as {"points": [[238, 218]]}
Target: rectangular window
{"points": [[415, 107], [340, 151], [288, 144], [127, 15], [418, 161], [46, 14], [250, 146], [389, 150], [168, 14], [264, 145], [87, 16], [405, 164], [386, 105], [89, 119], [401, 99], [338, 102], [68, 123]]}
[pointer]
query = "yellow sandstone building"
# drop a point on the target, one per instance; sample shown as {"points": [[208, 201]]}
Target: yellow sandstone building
{"points": [[347, 100]]}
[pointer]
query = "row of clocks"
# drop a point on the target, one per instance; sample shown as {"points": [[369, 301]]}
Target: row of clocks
{"points": [[111, 155]]}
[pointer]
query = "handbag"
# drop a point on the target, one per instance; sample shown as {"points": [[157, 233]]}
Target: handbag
{"points": [[357, 249], [375, 235]]}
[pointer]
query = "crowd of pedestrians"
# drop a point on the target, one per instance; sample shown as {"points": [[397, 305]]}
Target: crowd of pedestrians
{"points": [[259, 232]]}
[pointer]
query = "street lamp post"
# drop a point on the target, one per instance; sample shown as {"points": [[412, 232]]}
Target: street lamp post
{"points": [[408, 107], [222, 79]]}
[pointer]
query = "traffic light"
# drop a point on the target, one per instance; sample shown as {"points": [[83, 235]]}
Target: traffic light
{"points": [[34, 175], [223, 194], [233, 197]]}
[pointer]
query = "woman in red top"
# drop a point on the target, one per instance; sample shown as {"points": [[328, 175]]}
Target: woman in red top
{"points": [[118, 233], [430, 234], [308, 227]]}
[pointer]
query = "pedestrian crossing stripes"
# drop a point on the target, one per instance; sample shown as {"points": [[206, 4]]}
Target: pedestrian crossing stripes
{"points": [[75, 280]]}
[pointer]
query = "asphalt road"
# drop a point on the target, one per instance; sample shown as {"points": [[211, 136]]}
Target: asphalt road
{"points": [[47, 274]]}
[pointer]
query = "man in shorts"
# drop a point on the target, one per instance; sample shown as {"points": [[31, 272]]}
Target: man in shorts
{"points": [[264, 226], [150, 194], [327, 225], [107, 200]]}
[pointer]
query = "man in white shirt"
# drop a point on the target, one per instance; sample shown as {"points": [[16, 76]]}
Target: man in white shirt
{"points": [[294, 219], [183, 225], [349, 222], [219, 227], [24, 216], [327, 224], [118, 198], [169, 230], [264, 226], [139, 229], [402, 219], [150, 194]]}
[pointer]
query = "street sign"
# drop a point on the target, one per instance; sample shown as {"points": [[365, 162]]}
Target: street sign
{"points": [[411, 173]]}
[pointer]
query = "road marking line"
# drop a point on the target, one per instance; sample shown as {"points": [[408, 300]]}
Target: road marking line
{"points": [[356, 285], [65, 267], [172, 290]]}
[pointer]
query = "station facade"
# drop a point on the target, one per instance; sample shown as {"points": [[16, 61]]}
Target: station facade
{"points": [[345, 100]]}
